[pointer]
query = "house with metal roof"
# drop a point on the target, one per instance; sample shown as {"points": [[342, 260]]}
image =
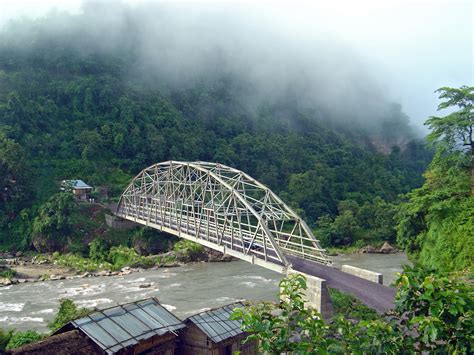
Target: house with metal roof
{"points": [[132, 328], [79, 188], [146, 327], [212, 332]]}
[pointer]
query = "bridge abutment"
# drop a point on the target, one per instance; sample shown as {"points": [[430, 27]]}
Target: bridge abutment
{"points": [[316, 294]]}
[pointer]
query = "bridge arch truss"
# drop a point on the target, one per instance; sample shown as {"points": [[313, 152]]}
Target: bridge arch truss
{"points": [[222, 208]]}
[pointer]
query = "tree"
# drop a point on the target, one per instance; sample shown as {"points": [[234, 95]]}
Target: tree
{"points": [[456, 130], [288, 327], [433, 314], [67, 312], [15, 187], [436, 224], [53, 223]]}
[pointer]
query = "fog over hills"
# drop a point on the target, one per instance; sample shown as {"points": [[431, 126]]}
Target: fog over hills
{"points": [[333, 67]]}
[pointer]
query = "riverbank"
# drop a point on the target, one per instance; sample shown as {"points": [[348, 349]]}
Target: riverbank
{"points": [[51, 267], [381, 248], [187, 289]]}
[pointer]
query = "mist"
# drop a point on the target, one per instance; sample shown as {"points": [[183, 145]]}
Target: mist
{"points": [[332, 69]]}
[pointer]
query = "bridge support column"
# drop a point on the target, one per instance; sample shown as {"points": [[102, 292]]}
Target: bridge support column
{"points": [[316, 294]]}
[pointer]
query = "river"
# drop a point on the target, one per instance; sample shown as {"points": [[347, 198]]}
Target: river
{"points": [[184, 290]]}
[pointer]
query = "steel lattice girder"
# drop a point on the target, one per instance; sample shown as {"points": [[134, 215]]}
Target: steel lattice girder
{"points": [[219, 206]]}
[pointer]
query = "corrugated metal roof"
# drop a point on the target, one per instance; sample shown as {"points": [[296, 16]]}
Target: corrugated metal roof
{"points": [[216, 324], [77, 184], [118, 327]]}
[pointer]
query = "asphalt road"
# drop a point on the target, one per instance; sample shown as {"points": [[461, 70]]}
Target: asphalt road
{"points": [[376, 296]]}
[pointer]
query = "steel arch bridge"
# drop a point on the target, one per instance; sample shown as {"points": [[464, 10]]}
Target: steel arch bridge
{"points": [[221, 208]]}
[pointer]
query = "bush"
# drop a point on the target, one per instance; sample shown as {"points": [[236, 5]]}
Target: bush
{"points": [[23, 338], [432, 315], [121, 256], [98, 249], [5, 337], [287, 327], [67, 312], [188, 250], [7, 273]]}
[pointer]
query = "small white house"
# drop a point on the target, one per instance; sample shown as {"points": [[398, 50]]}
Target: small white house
{"points": [[79, 188]]}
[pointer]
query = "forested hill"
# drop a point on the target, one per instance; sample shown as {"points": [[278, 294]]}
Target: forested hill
{"points": [[69, 109]]}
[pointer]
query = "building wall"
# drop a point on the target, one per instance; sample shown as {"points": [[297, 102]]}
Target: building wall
{"points": [[195, 342], [157, 345]]}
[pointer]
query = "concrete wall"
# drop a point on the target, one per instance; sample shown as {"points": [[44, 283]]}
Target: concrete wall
{"points": [[118, 223], [363, 274], [317, 294]]}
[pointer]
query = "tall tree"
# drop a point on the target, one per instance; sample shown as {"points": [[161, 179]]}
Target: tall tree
{"points": [[456, 130]]}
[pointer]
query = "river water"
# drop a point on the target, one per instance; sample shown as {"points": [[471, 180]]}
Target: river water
{"points": [[183, 290]]}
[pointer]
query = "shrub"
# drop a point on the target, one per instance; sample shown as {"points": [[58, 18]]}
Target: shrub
{"points": [[432, 315], [5, 337], [22, 338], [98, 249], [67, 312], [121, 256], [188, 248], [7, 273]]}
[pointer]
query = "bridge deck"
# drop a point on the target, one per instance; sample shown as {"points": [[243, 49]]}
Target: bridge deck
{"points": [[376, 296]]}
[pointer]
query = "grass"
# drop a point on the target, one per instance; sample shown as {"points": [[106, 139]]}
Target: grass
{"points": [[7, 273]]}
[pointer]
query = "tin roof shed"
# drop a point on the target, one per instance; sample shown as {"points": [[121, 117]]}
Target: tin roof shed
{"points": [[216, 324], [116, 328]]}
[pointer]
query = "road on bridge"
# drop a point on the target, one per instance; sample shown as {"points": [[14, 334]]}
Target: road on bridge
{"points": [[376, 296]]}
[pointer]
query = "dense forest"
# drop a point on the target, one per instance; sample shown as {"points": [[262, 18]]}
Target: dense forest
{"points": [[102, 94], [69, 110]]}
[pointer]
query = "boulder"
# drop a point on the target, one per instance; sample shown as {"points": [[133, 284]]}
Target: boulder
{"points": [[368, 249], [386, 248], [145, 285], [5, 281]]}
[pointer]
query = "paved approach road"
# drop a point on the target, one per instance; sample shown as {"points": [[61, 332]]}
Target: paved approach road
{"points": [[376, 296]]}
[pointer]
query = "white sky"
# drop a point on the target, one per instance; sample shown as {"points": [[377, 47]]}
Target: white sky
{"points": [[412, 46]]}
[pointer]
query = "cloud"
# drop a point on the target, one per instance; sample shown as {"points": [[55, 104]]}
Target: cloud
{"points": [[348, 59]]}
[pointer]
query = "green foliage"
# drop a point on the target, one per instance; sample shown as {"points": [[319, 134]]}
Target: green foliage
{"points": [[120, 256], [98, 249], [439, 308], [67, 312], [370, 222], [151, 241], [53, 222], [15, 185], [189, 247], [433, 314], [5, 337], [7, 272], [288, 327], [349, 307], [79, 263], [78, 114], [114, 259], [457, 128], [436, 223], [22, 338]]}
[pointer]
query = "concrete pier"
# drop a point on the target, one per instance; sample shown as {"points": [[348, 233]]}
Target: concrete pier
{"points": [[316, 294]]}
